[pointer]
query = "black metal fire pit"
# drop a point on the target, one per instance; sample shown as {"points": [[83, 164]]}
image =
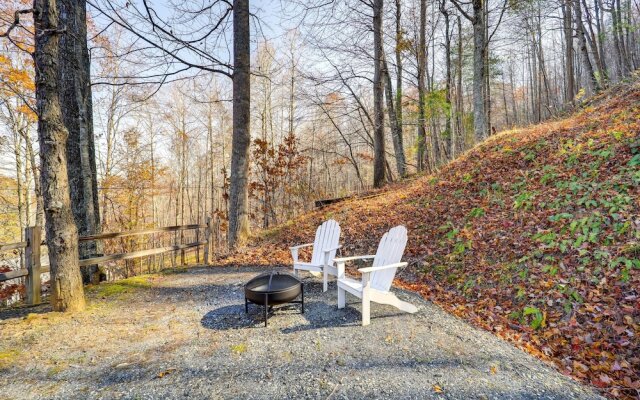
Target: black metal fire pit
{"points": [[273, 288]]}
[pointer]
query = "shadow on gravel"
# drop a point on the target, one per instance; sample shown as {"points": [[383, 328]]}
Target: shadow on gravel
{"points": [[317, 315], [24, 311], [234, 316]]}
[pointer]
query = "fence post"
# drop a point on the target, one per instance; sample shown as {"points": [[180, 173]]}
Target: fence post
{"points": [[182, 260], [198, 246], [207, 239], [33, 283]]}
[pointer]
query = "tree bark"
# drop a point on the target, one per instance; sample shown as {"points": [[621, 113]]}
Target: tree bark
{"points": [[570, 90], [67, 293], [379, 175], [459, 94], [239, 190], [448, 132], [421, 75], [396, 128], [480, 128], [590, 79], [399, 94], [77, 115]]}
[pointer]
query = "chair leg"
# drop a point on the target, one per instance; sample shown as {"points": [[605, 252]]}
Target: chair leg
{"points": [[325, 283], [341, 297], [394, 301], [366, 308], [295, 271]]}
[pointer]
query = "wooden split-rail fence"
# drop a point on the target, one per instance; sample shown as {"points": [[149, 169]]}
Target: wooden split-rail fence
{"points": [[34, 268]]}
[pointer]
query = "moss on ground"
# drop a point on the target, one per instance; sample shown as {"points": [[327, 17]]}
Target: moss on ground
{"points": [[122, 287], [8, 357]]}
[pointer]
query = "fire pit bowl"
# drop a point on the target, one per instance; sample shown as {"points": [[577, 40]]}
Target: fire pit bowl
{"points": [[273, 288]]}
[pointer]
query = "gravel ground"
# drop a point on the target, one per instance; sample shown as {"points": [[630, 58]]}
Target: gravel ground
{"points": [[186, 336]]}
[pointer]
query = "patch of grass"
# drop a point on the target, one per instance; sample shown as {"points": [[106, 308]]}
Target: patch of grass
{"points": [[7, 358], [55, 370], [239, 348], [124, 286]]}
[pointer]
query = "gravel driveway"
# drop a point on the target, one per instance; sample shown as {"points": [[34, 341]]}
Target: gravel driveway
{"points": [[185, 335]]}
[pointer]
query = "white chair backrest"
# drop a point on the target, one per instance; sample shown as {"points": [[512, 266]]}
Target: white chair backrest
{"points": [[390, 251], [327, 237]]}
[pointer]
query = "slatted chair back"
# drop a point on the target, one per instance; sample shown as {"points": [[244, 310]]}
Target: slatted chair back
{"points": [[327, 237], [389, 251]]}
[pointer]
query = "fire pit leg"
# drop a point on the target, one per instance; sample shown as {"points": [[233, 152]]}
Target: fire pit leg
{"points": [[302, 294], [266, 310], [246, 305]]}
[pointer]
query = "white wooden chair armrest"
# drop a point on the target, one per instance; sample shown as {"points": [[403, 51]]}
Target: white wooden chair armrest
{"points": [[331, 249], [294, 250], [345, 259], [340, 262], [300, 246], [380, 268], [327, 252]]}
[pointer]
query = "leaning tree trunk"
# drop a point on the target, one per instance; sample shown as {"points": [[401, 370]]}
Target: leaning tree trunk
{"points": [[76, 106], [590, 79], [379, 161], [67, 293], [239, 191]]}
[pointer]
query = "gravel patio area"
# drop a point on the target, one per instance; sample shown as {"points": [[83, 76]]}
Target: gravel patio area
{"points": [[185, 335]]}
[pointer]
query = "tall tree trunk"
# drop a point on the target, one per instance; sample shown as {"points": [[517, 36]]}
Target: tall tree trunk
{"points": [[590, 78], [239, 190], [399, 93], [421, 74], [460, 96], [448, 133], [379, 175], [480, 128], [67, 293], [36, 179], [396, 129], [76, 107], [570, 86], [597, 7]]}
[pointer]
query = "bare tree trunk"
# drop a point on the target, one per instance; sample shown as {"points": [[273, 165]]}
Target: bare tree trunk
{"points": [[67, 293], [570, 89], [239, 191], [448, 132], [421, 73], [379, 175], [399, 93], [76, 107], [592, 83], [460, 98], [36, 180], [396, 128], [480, 128]]}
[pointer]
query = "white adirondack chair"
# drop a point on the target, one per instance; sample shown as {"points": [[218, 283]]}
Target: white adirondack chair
{"points": [[324, 251], [376, 280]]}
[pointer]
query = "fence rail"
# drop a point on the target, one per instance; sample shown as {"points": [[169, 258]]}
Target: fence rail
{"points": [[34, 269]]}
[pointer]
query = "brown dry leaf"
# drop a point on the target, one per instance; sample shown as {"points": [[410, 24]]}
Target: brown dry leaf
{"points": [[165, 373]]}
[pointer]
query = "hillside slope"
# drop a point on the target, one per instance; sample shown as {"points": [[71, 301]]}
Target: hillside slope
{"points": [[533, 235]]}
